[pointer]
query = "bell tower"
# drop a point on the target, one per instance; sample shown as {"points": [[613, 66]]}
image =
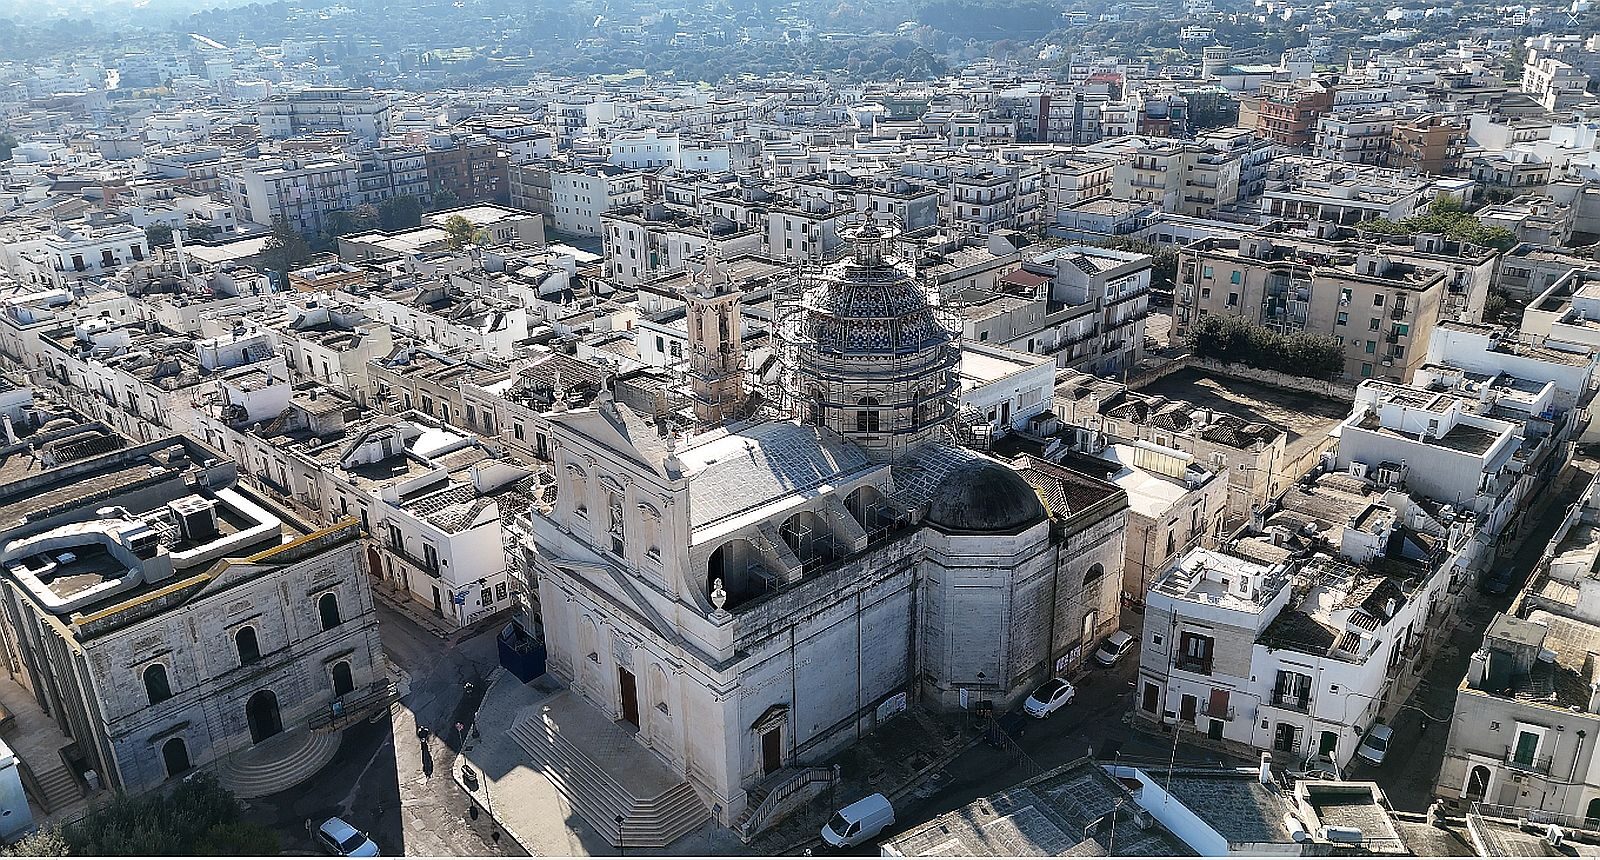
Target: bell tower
{"points": [[716, 353]]}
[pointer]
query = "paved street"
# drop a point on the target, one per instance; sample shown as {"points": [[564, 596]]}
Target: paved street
{"points": [[1408, 773], [384, 780]]}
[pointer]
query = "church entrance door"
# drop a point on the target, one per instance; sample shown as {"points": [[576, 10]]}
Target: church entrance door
{"points": [[771, 750], [630, 696]]}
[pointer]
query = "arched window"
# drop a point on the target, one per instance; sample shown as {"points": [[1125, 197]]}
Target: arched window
{"points": [[1093, 575], [867, 420], [343, 680], [175, 754], [1478, 783], [155, 683], [249, 647], [1591, 818], [328, 608]]}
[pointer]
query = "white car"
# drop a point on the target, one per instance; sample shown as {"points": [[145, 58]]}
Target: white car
{"points": [[339, 838], [1376, 744], [1049, 698], [1111, 650]]}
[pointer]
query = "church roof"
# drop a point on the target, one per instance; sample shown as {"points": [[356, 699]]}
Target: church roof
{"points": [[751, 466]]}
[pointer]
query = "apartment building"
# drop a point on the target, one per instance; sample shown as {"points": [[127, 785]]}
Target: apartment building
{"points": [[363, 113], [579, 197], [1381, 308], [300, 191], [1428, 144], [384, 174], [1182, 178], [648, 240], [1327, 199], [1272, 643], [63, 255], [468, 171], [1289, 111], [1356, 136], [1554, 84]]}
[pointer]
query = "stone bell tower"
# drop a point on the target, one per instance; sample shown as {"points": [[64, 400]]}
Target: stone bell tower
{"points": [[716, 352]]}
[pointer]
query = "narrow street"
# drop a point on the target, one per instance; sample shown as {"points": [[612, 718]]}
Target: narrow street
{"points": [[1096, 723], [1408, 772], [388, 782]]}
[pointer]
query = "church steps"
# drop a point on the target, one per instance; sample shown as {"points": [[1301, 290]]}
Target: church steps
{"points": [[649, 822]]}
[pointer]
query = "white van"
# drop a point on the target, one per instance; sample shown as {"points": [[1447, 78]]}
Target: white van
{"points": [[858, 822]]}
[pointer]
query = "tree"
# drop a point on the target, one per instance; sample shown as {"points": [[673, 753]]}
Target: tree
{"points": [[285, 249], [1234, 340], [45, 842], [460, 233], [195, 816], [158, 235], [399, 213], [1446, 216], [203, 232], [8, 142]]}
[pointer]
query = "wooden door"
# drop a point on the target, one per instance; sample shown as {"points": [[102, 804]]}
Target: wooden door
{"points": [[630, 696], [1187, 707], [771, 750]]}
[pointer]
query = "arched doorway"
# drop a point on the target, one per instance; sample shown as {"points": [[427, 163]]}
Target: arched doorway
{"points": [[343, 679], [175, 755], [1478, 783], [1591, 816], [261, 712]]}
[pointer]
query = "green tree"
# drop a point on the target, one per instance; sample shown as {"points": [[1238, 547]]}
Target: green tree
{"points": [[195, 816], [158, 235], [1447, 216], [8, 142], [460, 233], [285, 249], [203, 232], [399, 213], [45, 842]]}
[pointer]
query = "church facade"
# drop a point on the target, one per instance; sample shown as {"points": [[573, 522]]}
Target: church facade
{"points": [[759, 592]]}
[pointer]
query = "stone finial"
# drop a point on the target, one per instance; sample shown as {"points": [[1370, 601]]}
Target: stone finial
{"points": [[719, 596]]}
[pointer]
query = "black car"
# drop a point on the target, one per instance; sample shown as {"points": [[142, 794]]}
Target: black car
{"points": [[1497, 581], [1161, 298]]}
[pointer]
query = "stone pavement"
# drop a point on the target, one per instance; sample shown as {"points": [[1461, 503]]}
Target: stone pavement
{"points": [[892, 760]]}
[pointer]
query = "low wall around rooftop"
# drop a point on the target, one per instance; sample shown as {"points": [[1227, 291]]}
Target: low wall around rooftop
{"points": [[1340, 391]]}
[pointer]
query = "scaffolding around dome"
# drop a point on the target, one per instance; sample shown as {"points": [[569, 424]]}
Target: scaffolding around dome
{"points": [[865, 347]]}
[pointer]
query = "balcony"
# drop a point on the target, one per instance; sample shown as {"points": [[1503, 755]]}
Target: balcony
{"points": [[1538, 764], [1398, 312], [1292, 702], [1191, 664]]}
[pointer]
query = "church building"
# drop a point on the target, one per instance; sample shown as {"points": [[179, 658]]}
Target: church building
{"points": [[759, 589]]}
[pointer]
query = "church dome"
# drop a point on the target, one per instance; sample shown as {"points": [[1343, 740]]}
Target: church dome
{"points": [[870, 303], [982, 496]]}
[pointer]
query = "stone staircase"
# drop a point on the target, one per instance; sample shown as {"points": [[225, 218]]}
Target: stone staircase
{"points": [[59, 788], [647, 822], [770, 800], [277, 763]]}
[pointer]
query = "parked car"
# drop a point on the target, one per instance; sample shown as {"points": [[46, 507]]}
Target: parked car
{"points": [[339, 838], [858, 822], [1376, 743], [1012, 725], [1319, 767], [1114, 646], [1051, 696]]}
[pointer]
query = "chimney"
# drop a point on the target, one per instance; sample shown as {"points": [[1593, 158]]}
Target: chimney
{"points": [[1266, 770]]}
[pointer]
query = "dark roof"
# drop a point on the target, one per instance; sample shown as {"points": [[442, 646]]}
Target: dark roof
{"points": [[981, 496]]}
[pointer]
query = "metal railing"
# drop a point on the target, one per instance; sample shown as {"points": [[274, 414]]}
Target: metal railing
{"points": [[797, 782]]}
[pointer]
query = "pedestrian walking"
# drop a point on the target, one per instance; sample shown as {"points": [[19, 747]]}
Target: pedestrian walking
{"points": [[1424, 729]]}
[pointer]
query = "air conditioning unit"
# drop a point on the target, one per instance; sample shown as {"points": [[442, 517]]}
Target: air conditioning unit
{"points": [[196, 517]]}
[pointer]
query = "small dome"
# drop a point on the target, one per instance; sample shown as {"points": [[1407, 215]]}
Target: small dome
{"points": [[983, 496]]}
